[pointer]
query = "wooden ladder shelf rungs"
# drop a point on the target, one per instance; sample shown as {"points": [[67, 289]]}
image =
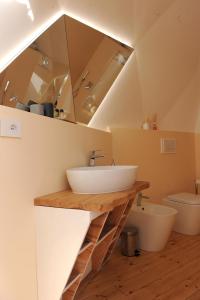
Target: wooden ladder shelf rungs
{"points": [[99, 243], [85, 246], [106, 234]]}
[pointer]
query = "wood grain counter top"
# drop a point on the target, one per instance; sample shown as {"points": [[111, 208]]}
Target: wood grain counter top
{"points": [[90, 202]]}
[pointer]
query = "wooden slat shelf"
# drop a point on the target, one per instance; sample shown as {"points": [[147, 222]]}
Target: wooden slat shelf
{"points": [[110, 250], [115, 215], [123, 216], [128, 207], [70, 291], [82, 259], [106, 244], [103, 232], [100, 251], [96, 227], [73, 278], [85, 245], [120, 227], [111, 231]]}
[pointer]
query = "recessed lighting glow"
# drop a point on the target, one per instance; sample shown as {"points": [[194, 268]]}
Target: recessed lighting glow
{"points": [[6, 60], [114, 85], [99, 28]]}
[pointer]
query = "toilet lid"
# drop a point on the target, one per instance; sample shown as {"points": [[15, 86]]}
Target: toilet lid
{"points": [[187, 198]]}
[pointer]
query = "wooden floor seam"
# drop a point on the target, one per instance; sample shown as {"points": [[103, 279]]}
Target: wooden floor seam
{"points": [[172, 274]]}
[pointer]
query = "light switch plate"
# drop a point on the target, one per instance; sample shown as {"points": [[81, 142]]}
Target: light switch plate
{"points": [[10, 128]]}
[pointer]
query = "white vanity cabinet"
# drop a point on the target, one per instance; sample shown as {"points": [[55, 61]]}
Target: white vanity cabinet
{"points": [[60, 233]]}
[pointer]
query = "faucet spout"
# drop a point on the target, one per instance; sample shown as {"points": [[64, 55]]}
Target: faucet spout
{"points": [[92, 158], [140, 196]]}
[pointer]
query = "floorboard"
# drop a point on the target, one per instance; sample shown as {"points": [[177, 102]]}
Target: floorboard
{"points": [[172, 274]]}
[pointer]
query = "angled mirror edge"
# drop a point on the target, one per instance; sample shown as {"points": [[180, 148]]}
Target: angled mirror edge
{"points": [[27, 42], [128, 47], [24, 44], [92, 120], [40, 32]]}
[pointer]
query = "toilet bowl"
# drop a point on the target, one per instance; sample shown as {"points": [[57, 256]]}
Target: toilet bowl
{"points": [[154, 223], [188, 217]]}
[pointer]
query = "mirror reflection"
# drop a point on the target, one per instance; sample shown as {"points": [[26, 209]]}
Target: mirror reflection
{"points": [[95, 62], [39, 79], [65, 73]]}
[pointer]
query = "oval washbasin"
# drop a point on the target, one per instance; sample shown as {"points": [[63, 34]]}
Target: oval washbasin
{"points": [[101, 179]]}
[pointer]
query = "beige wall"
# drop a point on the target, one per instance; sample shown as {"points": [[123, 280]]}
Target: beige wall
{"points": [[31, 166], [163, 74], [167, 173]]}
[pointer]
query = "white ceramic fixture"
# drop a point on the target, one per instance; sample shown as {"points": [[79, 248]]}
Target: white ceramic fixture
{"points": [[101, 179], [154, 223], [188, 217]]}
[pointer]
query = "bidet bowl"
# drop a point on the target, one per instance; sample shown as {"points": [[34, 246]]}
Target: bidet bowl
{"points": [[154, 223], [101, 179]]}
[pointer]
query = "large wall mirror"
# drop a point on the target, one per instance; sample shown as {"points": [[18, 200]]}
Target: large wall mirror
{"points": [[65, 73]]}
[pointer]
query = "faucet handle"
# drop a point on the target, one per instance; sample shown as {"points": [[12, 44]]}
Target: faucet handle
{"points": [[95, 155], [94, 151], [145, 197]]}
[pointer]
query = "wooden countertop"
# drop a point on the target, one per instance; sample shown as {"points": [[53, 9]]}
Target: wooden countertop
{"points": [[90, 202]]}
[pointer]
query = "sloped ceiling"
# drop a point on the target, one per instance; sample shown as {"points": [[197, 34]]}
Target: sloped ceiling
{"points": [[19, 20], [162, 76]]}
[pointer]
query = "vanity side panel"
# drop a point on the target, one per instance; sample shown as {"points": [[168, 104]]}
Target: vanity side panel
{"points": [[59, 233]]}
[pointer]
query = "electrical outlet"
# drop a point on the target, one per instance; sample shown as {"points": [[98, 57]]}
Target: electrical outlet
{"points": [[10, 128]]}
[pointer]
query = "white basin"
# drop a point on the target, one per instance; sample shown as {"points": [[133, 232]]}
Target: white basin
{"points": [[102, 179], [154, 222]]}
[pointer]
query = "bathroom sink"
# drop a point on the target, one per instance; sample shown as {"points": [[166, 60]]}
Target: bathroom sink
{"points": [[101, 179]]}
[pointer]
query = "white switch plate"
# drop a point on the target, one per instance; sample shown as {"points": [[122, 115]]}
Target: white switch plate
{"points": [[10, 128]]}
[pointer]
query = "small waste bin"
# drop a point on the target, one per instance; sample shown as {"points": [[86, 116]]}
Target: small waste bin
{"points": [[129, 241]]}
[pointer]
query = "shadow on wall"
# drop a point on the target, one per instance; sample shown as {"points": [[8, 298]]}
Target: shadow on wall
{"points": [[162, 77], [167, 61], [122, 106], [146, 14], [184, 112]]}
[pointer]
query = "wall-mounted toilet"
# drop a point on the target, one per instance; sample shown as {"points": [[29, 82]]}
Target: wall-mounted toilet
{"points": [[188, 217]]}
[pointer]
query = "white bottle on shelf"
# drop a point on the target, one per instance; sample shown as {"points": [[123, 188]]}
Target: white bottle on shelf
{"points": [[146, 124]]}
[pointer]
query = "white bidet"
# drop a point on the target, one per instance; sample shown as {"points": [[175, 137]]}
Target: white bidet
{"points": [[154, 222]]}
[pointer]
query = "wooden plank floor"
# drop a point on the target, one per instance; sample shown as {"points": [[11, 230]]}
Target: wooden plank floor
{"points": [[172, 274]]}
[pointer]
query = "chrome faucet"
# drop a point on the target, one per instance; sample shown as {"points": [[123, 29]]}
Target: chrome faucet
{"points": [[93, 157], [139, 199]]}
